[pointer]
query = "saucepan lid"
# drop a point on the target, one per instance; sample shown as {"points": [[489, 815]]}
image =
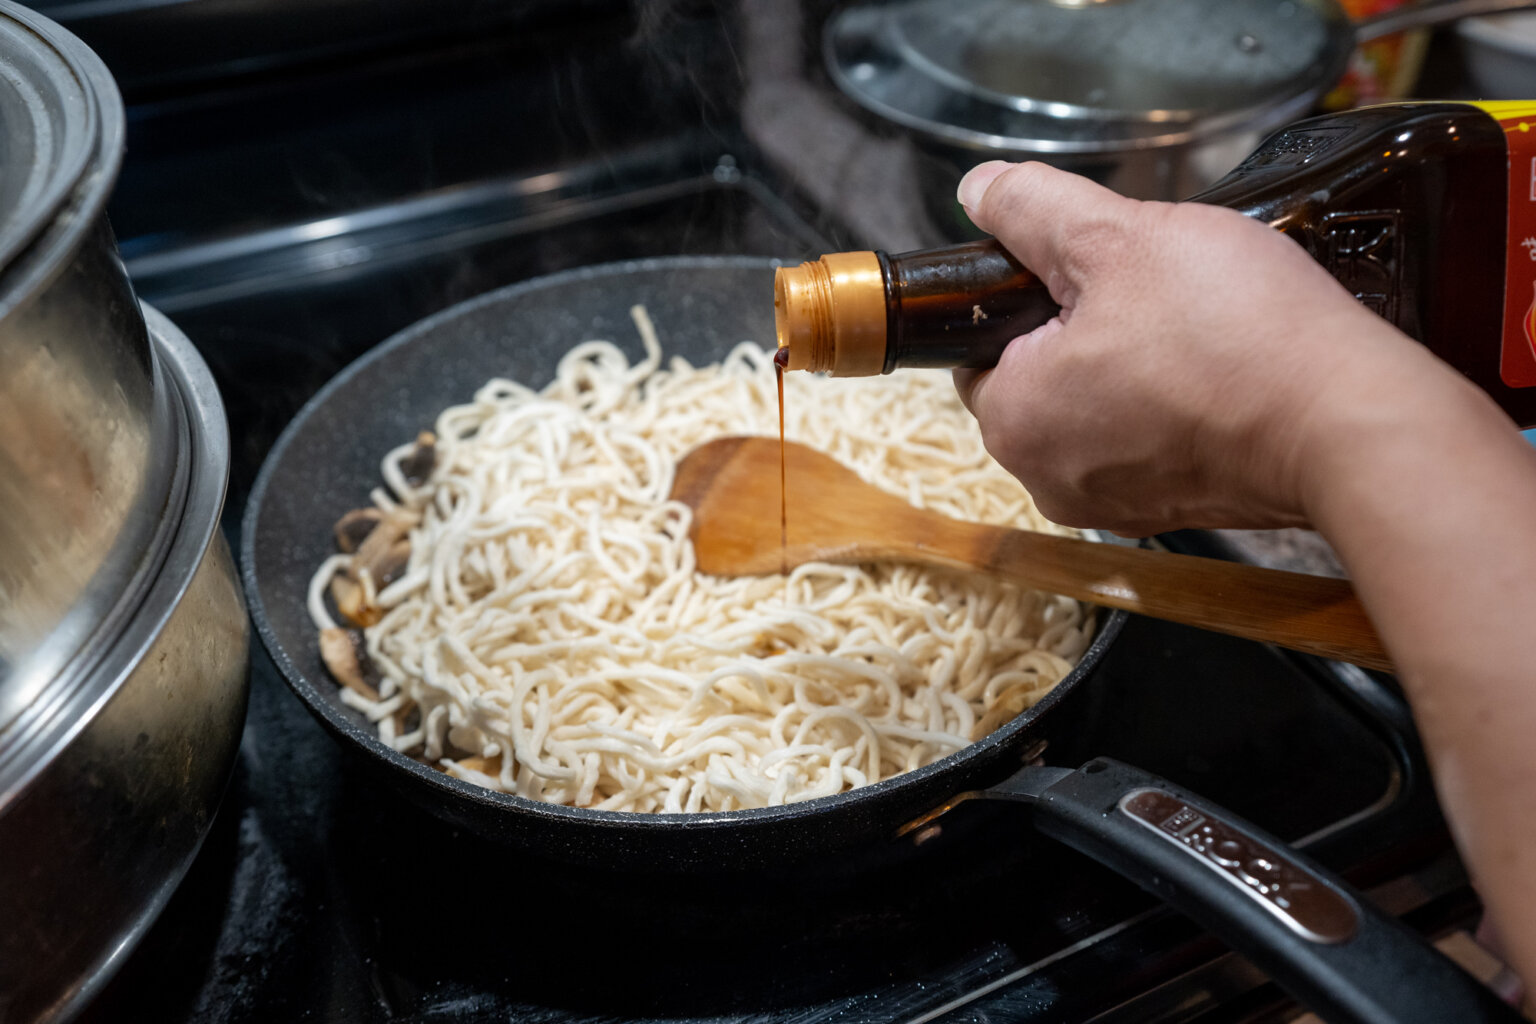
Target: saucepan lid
{"points": [[1038, 76], [1100, 76]]}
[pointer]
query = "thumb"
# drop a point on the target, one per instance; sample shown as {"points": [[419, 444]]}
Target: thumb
{"points": [[1043, 215]]}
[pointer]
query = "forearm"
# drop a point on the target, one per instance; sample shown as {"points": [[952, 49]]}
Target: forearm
{"points": [[1432, 508]]}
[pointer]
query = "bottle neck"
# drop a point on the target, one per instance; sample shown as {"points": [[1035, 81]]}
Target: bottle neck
{"points": [[857, 314], [830, 314]]}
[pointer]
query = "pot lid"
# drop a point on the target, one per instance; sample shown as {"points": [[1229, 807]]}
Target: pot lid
{"points": [[57, 139], [1084, 76]]}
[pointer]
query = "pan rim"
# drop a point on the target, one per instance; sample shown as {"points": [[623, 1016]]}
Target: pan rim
{"points": [[345, 727]]}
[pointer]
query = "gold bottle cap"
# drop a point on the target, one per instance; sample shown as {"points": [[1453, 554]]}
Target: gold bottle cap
{"points": [[830, 314]]}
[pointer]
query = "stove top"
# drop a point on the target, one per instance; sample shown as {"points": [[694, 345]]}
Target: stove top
{"points": [[354, 201]]}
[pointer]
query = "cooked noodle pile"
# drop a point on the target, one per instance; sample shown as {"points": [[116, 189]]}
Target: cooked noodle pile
{"points": [[550, 636]]}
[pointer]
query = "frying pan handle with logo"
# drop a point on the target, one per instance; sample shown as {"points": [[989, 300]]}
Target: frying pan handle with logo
{"points": [[1307, 928]]}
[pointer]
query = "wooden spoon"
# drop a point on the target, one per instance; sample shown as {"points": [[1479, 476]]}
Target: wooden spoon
{"points": [[732, 484]]}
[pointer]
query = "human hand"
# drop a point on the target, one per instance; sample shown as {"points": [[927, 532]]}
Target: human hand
{"points": [[1200, 368]]}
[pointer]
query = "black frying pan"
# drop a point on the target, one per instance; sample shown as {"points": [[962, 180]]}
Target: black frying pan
{"points": [[1306, 927]]}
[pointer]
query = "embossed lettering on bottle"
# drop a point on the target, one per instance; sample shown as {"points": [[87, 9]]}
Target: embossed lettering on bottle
{"points": [[1363, 250]]}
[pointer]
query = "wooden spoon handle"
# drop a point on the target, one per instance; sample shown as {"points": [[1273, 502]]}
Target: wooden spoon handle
{"points": [[1314, 614]]}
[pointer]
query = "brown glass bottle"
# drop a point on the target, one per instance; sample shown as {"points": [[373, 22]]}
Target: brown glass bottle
{"points": [[858, 314], [1405, 204]]}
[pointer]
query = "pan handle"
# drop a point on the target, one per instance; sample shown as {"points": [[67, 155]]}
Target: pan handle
{"points": [[1314, 935]]}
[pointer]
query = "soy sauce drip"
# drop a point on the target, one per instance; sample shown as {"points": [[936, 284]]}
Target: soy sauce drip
{"points": [[780, 363]]}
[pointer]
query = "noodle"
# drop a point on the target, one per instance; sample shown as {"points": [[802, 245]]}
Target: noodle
{"points": [[550, 636]]}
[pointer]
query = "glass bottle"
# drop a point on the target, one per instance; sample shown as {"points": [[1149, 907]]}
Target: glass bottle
{"points": [[1426, 212]]}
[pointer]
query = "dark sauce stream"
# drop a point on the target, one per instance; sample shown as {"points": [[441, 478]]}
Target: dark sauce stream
{"points": [[780, 362]]}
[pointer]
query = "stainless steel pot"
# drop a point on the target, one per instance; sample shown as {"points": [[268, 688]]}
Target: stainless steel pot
{"points": [[105, 799], [123, 636], [1154, 98]]}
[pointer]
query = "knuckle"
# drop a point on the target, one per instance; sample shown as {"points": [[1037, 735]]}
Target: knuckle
{"points": [[1066, 508], [1107, 241], [1102, 245]]}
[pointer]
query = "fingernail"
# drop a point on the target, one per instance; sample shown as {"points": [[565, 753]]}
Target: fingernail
{"points": [[976, 181]]}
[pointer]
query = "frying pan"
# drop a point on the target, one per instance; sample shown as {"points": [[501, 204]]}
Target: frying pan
{"points": [[1307, 928]]}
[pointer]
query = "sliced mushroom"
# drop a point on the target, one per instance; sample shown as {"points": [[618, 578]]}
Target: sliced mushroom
{"points": [[386, 552], [407, 720], [1008, 705], [352, 601], [418, 465], [484, 765], [373, 550], [393, 565], [346, 658], [765, 646], [353, 528]]}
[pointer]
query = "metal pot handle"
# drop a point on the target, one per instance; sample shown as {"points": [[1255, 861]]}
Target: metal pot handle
{"points": [[1307, 928], [1424, 15]]}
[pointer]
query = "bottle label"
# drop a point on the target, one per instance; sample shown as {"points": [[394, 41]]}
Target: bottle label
{"points": [[1517, 359]]}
